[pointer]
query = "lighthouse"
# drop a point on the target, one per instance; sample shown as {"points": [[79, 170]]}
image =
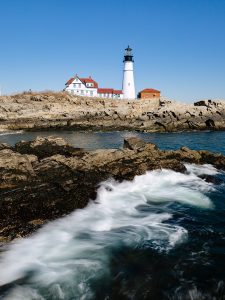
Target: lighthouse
{"points": [[128, 75]]}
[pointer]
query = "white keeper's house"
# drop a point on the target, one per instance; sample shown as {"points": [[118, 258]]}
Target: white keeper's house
{"points": [[88, 87]]}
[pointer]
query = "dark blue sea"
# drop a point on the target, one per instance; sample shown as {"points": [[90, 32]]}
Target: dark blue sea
{"points": [[160, 236], [212, 141]]}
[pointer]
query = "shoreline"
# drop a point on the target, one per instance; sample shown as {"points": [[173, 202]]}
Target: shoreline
{"points": [[61, 111], [13, 127], [47, 178]]}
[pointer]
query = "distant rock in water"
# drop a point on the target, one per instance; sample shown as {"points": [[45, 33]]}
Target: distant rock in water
{"points": [[47, 178], [133, 143], [46, 146], [50, 110]]}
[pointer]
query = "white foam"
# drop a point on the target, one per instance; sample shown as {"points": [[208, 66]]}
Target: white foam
{"points": [[66, 255], [11, 132], [205, 169]]}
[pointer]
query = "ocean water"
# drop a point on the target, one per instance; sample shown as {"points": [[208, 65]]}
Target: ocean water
{"points": [[160, 236], [211, 140]]}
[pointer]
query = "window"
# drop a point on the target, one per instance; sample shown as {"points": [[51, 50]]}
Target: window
{"points": [[91, 93], [79, 85], [82, 92]]}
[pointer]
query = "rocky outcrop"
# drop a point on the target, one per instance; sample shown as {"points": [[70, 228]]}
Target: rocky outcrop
{"points": [[15, 168], [34, 111], [37, 184], [46, 146]]}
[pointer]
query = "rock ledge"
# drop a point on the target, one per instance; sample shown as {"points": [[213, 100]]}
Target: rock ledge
{"points": [[47, 178]]}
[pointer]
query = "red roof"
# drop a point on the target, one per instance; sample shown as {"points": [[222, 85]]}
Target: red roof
{"points": [[105, 91], [149, 91], [89, 80], [84, 80], [117, 92], [70, 81], [95, 85], [109, 91]]}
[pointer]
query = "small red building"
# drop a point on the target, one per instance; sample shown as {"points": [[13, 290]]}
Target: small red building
{"points": [[149, 94]]}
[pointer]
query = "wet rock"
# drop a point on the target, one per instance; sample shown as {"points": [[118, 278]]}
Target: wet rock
{"points": [[46, 146], [190, 155], [37, 188], [212, 179]]}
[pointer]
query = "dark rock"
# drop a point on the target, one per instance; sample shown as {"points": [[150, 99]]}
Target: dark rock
{"points": [[201, 103], [5, 146], [212, 179], [47, 146], [34, 191], [161, 125], [210, 123], [192, 125]]}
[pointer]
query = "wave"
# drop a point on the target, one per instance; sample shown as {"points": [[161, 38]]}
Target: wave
{"points": [[11, 132], [198, 170], [67, 257]]}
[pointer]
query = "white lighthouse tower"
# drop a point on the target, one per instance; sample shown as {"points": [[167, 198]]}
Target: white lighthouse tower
{"points": [[128, 75]]}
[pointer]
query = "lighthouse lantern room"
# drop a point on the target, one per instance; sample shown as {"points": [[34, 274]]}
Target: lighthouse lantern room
{"points": [[128, 75]]}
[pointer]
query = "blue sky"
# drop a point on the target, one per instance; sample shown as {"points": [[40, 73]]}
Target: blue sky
{"points": [[178, 45]]}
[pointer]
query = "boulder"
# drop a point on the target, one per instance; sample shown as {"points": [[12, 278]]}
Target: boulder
{"points": [[47, 146], [133, 143], [189, 155], [201, 103], [15, 168], [5, 146]]}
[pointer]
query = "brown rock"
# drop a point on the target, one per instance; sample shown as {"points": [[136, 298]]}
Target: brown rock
{"points": [[133, 143], [50, 187], [47, 146], [15, 168], [5, 146]]}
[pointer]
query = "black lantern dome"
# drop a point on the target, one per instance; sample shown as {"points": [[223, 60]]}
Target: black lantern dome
{"points": [[128, 54]]}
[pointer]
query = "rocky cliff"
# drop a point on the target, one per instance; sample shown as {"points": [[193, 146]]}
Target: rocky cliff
{"points": [[47, 178], [61, 110]]}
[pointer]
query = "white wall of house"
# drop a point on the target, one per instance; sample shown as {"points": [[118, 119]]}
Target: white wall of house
{"points": [[117, 96], [77, 87], [111, 96]]}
